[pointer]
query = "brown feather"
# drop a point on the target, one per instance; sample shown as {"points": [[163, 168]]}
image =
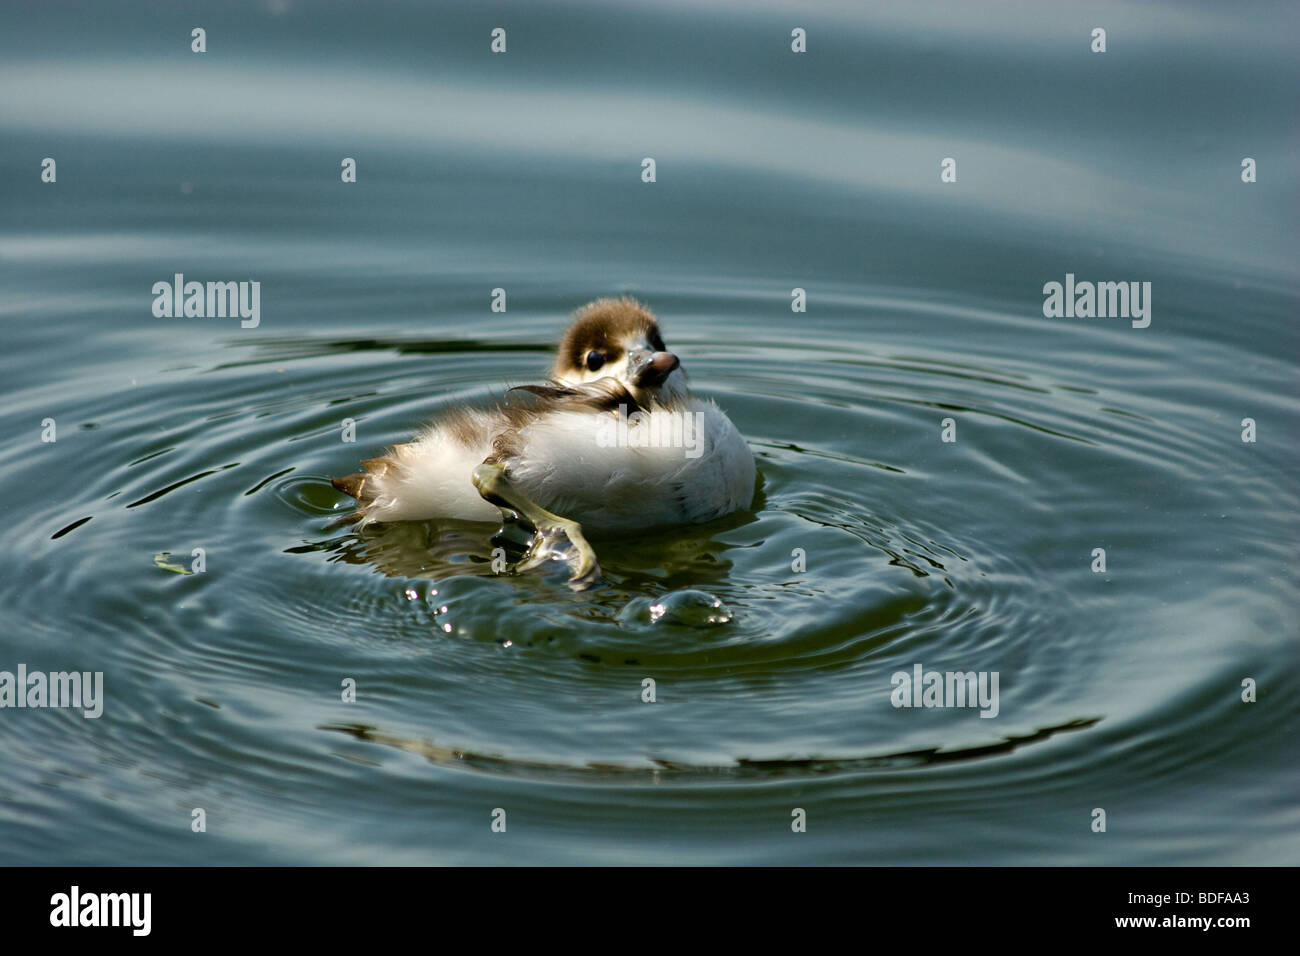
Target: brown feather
{"points": [[359, 485], [353, 486], [602, 395], [378, 466], [600, 325]]}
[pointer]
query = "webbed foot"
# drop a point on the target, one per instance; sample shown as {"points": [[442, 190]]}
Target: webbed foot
{"points": [[555, 538]]}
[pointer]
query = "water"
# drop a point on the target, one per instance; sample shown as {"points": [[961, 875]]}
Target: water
{"points": [[1118, 690]]}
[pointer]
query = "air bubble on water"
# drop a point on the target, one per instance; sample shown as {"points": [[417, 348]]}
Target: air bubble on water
{"points": [[685, 608]]}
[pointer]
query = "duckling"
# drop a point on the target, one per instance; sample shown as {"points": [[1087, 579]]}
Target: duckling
{"points": [[614, 443]]}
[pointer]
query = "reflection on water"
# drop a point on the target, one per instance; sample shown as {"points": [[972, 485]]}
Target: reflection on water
{"points": [[660, 770]]}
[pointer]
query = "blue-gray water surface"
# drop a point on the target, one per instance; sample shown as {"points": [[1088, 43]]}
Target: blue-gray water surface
{"points": [[1162, 687]]}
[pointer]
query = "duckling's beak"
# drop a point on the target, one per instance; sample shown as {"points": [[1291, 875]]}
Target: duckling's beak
{"points": [[649, 369]]}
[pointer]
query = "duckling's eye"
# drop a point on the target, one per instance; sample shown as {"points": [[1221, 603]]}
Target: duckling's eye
{"points": [[656, 341], [594, 361]]}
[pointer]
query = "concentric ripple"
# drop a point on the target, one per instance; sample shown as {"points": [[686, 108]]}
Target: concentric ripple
{"points": [[950, 480]]}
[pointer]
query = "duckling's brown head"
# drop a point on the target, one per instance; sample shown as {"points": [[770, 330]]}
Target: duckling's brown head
{"points": [[619, 338]]}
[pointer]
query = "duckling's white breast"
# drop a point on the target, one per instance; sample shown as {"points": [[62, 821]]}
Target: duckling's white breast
{"points": [[610, 473]]}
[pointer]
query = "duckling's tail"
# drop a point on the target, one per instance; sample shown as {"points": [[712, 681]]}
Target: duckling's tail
{"points": [[424, 479], [363, 486]]}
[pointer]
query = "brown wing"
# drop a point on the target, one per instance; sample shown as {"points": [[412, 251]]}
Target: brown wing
{"points": [[602, 395]]}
